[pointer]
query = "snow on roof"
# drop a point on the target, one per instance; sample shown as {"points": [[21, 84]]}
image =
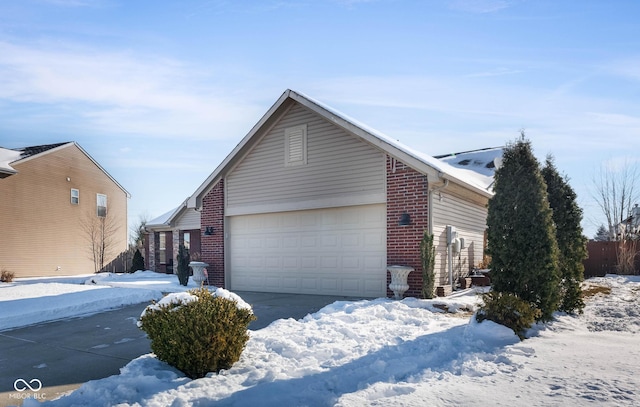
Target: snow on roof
{"points": [[469, 176], [8, 156], [426, 164], [163, 219], [481, 161]]}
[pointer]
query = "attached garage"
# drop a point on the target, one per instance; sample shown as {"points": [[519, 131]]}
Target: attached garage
{"points": [[311, 202], [335, 251]]}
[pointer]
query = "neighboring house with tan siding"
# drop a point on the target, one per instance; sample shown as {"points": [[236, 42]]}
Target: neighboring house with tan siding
{"points": [[311, 201], [47, 193]]}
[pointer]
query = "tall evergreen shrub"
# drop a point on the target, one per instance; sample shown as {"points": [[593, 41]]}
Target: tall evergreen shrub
{"points": [[137, 263], [183, 265], [567, 216], [428, 257], [520, 232]]}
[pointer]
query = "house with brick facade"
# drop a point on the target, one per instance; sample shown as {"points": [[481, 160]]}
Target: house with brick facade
{"points": [[311, 201], [165, 234]]}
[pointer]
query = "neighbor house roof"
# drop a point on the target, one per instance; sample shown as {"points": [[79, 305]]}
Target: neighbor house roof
{"points": [[18, 155], [7, 156], [166, 219], [435, 170], [10, 156], [482, 160]]}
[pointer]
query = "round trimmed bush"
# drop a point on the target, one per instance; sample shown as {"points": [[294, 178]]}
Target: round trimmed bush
{"points": [[198, 332]]}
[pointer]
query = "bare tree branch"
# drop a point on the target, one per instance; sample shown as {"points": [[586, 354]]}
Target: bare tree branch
{"points": [[100, 233], [616, 193]]}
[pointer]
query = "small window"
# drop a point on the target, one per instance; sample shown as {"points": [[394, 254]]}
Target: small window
{"points": [[75, 196], [187, 240], [102, 205], [295, 145], [163, 247]]}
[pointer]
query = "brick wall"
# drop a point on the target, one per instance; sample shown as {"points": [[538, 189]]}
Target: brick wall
{"points": [[212, 246], [406, 193], [150, 249]]}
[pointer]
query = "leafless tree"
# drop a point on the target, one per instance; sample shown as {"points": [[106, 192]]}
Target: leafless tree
{"points": [[616, 193], [137, 231], [100, 232]]}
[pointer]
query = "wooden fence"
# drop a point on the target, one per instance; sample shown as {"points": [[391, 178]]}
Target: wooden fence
{"points": [[121, 264], [602, 259]]}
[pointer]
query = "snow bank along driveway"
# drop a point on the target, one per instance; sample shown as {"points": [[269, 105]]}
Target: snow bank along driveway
{"points": [[408, 353]]}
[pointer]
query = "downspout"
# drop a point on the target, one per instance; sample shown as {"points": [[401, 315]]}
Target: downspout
{"points": [[430, 216]]}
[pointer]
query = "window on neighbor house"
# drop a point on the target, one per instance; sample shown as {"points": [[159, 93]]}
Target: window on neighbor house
{"points": [[75, 196], [187, 240], [295, 145], [102, 205], [163, 247]]}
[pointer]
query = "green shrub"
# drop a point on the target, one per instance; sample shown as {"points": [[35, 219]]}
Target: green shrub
{"points": [[137, 263], [509, 310], [428, 258], [183, 265], [6, 276], [201, 334]]}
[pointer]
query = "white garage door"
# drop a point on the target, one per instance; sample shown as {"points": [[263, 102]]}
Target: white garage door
{"points": [[338, 251]]}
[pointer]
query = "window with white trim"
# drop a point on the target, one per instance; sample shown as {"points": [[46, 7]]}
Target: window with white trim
{"points": [[101, 204], [295, 145], [75, 196], [187, 240], [162, 244]]}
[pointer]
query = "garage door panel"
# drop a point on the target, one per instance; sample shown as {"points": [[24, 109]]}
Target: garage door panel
{"points": [[272, 282], [273, 263], [339, 251], [309, 283], [308, 242], [290, 242], [374, 262], [330, 284], [290, 283], [289, 263]]}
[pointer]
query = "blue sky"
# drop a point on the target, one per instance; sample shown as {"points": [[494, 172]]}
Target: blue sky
{"points": [[159, 92]]}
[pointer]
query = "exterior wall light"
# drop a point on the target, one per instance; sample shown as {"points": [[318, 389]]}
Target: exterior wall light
{"points": [[405, 220], [208, 231]]}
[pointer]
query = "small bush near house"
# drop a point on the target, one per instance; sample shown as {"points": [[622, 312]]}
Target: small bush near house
{"points": [[137, 263], [6, 276], [509, 310], [199, 333], [428, 257]]}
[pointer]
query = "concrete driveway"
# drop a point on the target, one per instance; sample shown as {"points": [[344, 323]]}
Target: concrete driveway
{"points": [[64, 354]]}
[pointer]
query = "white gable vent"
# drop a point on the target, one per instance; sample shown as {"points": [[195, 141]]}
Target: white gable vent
{"points": [[295, 145]]}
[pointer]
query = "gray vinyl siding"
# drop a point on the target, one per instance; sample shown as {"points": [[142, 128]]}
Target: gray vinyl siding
{"points": [[340, 169], [190, 219], [470, 221]]}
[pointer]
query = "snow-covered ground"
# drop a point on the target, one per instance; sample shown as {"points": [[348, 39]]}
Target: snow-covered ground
{"points": [[398, 353], [30, 301]]}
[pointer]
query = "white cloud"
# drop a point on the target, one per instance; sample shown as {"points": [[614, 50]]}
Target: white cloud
{"points": [[119, 91]]}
